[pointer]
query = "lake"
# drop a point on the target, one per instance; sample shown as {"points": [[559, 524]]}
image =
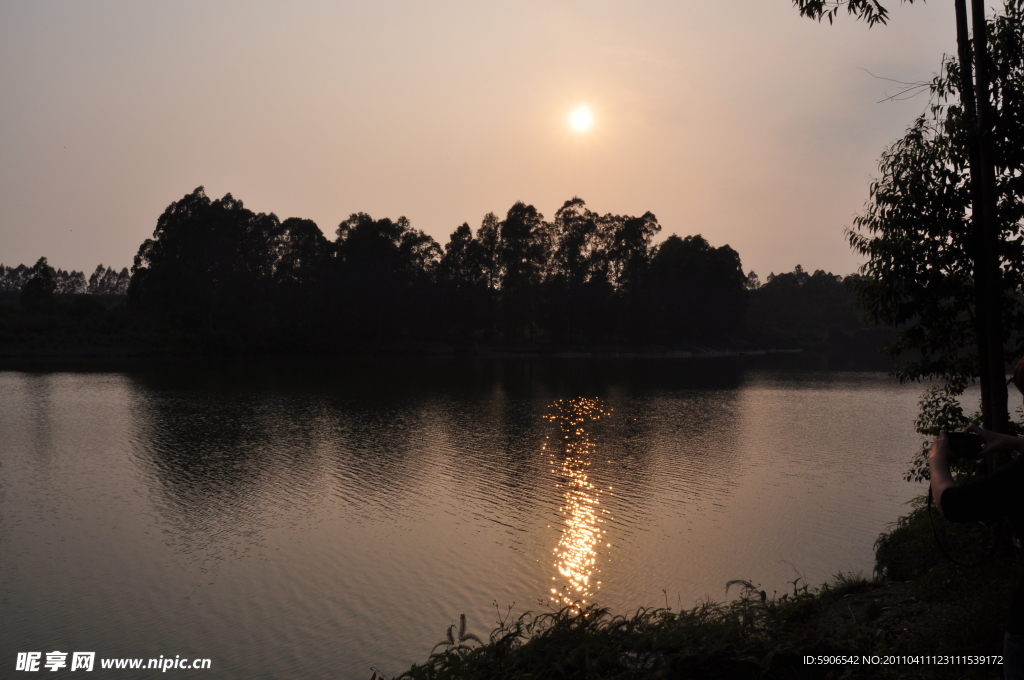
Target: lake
{"points": [[316, 518]]}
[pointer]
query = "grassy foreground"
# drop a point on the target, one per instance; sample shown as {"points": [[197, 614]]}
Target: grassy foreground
{"points": [[919, 603]]}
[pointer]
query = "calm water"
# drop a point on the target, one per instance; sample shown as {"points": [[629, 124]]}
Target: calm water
{"points": [[310, 521]]}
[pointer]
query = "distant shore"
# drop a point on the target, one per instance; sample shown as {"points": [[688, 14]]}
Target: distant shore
{"points": [[411, 349]]}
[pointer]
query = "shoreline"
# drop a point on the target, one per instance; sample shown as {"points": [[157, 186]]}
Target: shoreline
{"points": [[431, 350]]}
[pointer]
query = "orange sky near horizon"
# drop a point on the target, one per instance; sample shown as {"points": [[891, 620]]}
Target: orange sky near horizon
{"points": [[739, 121]]}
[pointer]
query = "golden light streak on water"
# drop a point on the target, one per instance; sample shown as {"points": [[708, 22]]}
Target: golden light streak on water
{"points": [[576, 552]]}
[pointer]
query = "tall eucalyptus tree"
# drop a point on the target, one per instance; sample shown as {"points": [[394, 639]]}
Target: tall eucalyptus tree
{"points": [[975, 63]]}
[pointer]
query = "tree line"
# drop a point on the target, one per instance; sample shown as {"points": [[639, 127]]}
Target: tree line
{"points": [[215, 267], [103, 281], [217, 275]]}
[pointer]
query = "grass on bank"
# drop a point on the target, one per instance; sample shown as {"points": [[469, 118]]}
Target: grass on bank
{"points": [[919, 603]]}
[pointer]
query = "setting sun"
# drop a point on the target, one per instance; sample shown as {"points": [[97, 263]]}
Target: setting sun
{"points": [[581, 119]]}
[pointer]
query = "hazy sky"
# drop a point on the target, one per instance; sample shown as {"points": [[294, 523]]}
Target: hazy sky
{"points": [[737, 120]]}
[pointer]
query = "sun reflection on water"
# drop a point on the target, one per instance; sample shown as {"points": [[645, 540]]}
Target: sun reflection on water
{"points": [[576, 552]]}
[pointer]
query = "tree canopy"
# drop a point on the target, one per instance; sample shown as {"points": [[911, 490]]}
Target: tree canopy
{"points": [[37, 294], [215, 269], [917, 234]]}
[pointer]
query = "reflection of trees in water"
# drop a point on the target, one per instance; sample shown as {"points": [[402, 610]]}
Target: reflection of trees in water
{"points": [[217, 462], [36, 398], [225, 463], [679, 454], [576, 551], [233, 450], [378, 453], [489, 456]]}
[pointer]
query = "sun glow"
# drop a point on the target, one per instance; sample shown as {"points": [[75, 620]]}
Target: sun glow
{"points": [[581, 119]]}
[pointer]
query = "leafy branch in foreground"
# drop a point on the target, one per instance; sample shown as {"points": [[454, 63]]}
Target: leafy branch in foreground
{"points": [[871, 11]]}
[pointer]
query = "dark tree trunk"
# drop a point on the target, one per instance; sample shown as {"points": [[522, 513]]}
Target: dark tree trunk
{"points": [[996, 367], [982, 296], [988, 289]]}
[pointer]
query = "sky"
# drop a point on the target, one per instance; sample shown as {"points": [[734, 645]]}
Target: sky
{"points": [[740, 120]]}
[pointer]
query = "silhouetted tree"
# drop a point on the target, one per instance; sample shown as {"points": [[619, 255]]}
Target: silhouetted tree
{"points": [[922, 269], [524, 250], [301, 252], [489, 237], [576, 280], [37, 293], [629, 253], [463, 278], [69, 282], [208, 268], [697, 292], [580, 245], [979, 124], [106, 281], [385, 270], [301, 293], [797, 308], [14, 278], [629, 260]]}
